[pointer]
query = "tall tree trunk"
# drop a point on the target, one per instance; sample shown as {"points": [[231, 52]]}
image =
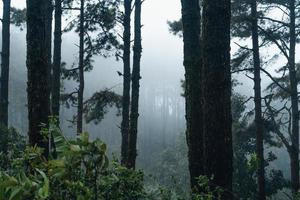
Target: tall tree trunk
{"points": [[217, 94], [294, 102], [257, 100], [126, 81], [49, 12], [81, 70], [134, 114], [37, 65], [56, 60], [191, 20], [5, 54]]}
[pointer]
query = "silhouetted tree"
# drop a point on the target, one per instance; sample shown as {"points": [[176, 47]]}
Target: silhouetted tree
{"points": [[134, 112], [283, 34], [38, 68], [81, 69], [5, 56], [126, 80], [95, 25], [259, 128], [56, 73], [191, 21], [217, 94]]}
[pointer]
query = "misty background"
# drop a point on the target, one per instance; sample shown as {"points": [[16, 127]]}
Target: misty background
{"points": [[162, 108]]}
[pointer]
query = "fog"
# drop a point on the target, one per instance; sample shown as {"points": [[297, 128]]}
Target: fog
{"points": [[162, 115], [162, 108]]}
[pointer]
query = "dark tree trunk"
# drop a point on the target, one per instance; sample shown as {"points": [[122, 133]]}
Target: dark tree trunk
{"points": [[49, 12], [257, 99], [217, 94], [56, 60], [5, 54], [38, 68], [81, 69], [134, 114], [294, 102], [126, 81], [191, 20]]}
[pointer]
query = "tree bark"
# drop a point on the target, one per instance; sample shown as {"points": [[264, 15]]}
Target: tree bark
{"points": [[261, 195], [217, 94], [57, 60], [126, 81], [49, 13], [191, 20], [37, 65], [81, 70], [134, 114], [294, 101], [5, 56]]}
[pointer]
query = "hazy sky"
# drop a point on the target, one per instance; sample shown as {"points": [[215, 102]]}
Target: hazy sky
{"points": [[162, 52]]}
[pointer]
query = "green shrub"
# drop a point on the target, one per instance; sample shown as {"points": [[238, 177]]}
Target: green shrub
{"points": [[80, 171]]}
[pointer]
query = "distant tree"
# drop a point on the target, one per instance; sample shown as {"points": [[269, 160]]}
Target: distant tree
{"points": [[56, 72], [217, 94], [38, 89], [245, 159], [95, 25], [81, 68], [259, 127], [191, 21], [283, 33], [135, 92], [97, 106], [48, 33], [175, 27], [245, 25], [5, 56], [18, 17]]}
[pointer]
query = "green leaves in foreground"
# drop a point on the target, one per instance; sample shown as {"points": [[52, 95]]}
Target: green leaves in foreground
{"points": [[80, 171]]}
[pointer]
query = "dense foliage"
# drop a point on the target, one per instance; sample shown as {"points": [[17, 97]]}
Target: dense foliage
{"points": [[80, 171]]}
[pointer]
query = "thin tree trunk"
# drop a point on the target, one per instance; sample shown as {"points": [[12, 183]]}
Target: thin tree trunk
{"points": [[257, 99], [294, 102], [217, 94], [81, 70], [261, 195], [37, 65], [134, 114], [5, 55], [126, 81], [56, 60], [191, 20]]}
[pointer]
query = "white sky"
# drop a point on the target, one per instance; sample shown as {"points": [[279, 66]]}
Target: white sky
{"points": [[162, 52]]}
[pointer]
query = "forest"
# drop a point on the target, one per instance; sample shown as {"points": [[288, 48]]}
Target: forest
{"points": [[149, 100]]}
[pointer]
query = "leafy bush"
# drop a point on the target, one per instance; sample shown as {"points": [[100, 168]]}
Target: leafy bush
{"points": [[11, 146], [207, 193], [80, 171]]}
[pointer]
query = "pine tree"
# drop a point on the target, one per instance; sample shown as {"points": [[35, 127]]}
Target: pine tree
{"points": [[95, 25], [81, 69], [5, 56], [126, 81], [294, 99], [283, 34], [134, 112], [191, 21], [217, 94], [55, 91], [258, 106], [38, 84]]}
